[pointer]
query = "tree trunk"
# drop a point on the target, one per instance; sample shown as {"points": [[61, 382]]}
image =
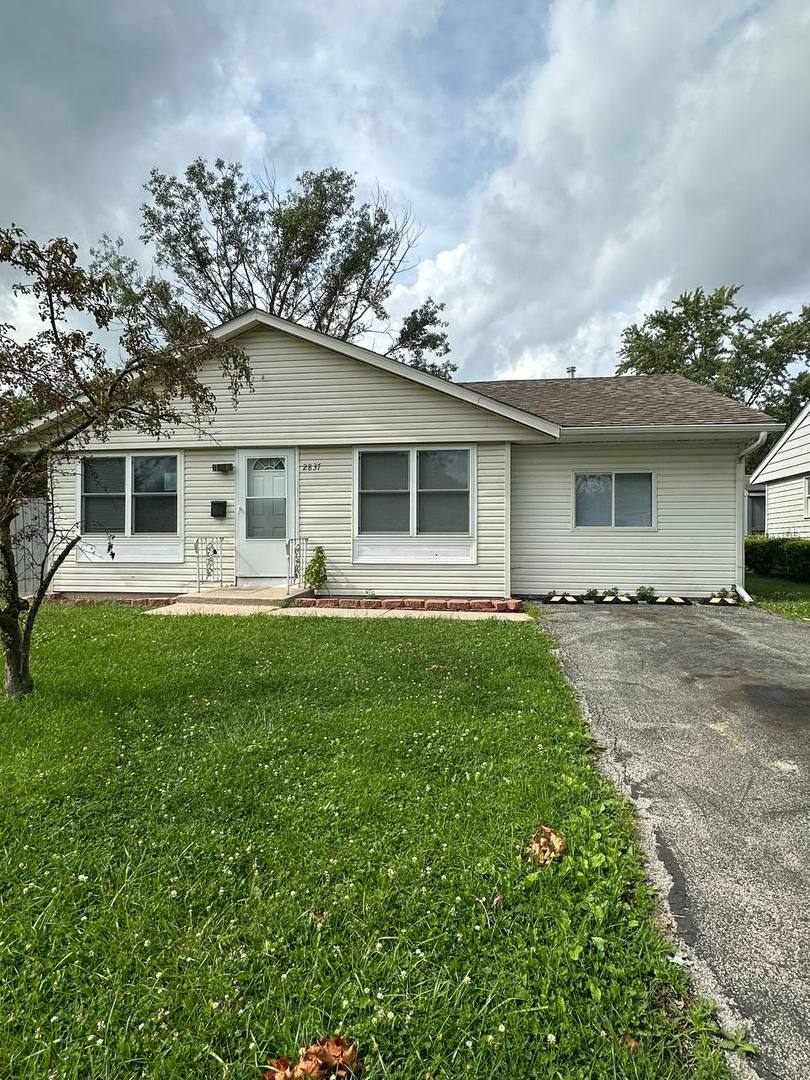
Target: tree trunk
{"points": [[18, 681]]}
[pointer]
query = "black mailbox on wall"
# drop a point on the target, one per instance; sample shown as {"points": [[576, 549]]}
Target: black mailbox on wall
{"points": [[219, 508]]}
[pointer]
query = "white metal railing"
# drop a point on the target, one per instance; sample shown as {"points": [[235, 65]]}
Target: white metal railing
{"points": [[208, 550], [296, 561]]}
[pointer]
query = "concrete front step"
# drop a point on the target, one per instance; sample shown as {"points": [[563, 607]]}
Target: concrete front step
{"points": [[257, 598]]}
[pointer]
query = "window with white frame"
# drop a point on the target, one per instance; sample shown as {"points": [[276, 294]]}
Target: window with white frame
{"points": [[613, 500], [414, 492], [807, 496], [129, 495]]}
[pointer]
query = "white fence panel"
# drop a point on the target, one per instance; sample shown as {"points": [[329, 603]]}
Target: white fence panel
{"points": [[30, 531]]}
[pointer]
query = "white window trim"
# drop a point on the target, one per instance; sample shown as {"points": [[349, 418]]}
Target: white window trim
{"points": [[604, 471], [132, 547], [806, 498], [413, 547]]}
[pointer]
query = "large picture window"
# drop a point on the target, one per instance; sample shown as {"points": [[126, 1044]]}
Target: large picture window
{"points": [[414, 492], [613, 500], [130, 495]]}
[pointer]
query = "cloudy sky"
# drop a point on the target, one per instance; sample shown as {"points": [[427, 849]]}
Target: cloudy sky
{"points": [[573, 164]]}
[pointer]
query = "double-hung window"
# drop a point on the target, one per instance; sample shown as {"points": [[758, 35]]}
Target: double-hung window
{"points": [[104, 499], [129, 495], [807, 496], [414, 492], [613, 500]]}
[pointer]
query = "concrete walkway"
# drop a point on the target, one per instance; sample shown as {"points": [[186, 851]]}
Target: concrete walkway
{"points": [[183, 608], [705, 716]]}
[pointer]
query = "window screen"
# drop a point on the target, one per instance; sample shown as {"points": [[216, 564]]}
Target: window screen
{"points": [[633, 499], [154, 494], [594, 499], [443, 491], [621, 499], [385, 500], [103, 494]]}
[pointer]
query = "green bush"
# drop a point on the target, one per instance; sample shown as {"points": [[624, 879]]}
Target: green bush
{"points": [[315, 571], [778, 556], [797, 559]]}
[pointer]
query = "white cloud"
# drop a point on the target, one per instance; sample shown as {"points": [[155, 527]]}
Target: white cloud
{"points": [[571, 174], [662, 141]]}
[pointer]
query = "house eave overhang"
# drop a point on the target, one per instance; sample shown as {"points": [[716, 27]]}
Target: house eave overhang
{"points": [[252, 320], [734, 431]]}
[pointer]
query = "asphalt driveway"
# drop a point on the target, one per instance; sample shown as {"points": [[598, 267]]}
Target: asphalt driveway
{"points": [[705, 717]]}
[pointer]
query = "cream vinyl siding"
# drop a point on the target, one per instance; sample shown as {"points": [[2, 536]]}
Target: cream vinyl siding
{"points": [[326, 504], [792, 456], [199, 486], [305, 394], [786, 507], [691, 550]]}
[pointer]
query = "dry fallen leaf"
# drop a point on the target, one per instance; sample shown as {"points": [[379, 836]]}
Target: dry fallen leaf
{"points": [[337, 1054], [545, 845], [310, 1067], [279, 1069], [326, 1059], [629, 1042], [496, 903], [437, 667]]}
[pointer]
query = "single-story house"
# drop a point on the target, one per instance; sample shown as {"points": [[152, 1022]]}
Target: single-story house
{"points": [[418, 486], [785, 475]]}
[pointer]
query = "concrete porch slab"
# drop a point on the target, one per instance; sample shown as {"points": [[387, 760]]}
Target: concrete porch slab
{"points": [[234, 597], [224, 608]]}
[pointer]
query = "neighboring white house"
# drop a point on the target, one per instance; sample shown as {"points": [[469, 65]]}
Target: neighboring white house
{"points": [[418, 486], [785, 474]]}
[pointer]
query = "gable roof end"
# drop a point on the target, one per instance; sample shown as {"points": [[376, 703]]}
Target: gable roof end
{"points": [[777, 446], [254, 319]]}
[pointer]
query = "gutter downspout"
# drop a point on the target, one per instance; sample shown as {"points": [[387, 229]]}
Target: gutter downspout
{"points": [[741, 515]]}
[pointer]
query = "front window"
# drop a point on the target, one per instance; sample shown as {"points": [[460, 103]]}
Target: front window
{"points": [[129, 495], [104, 498], [443, 491], [613, 500], [385, 493], [154, 494], [414, 492]]}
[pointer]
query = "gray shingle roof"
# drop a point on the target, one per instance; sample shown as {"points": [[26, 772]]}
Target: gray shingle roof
{"points": [[615, 401]]}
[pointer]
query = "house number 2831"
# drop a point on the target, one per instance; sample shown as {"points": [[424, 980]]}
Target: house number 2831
{"points": [[311, 466]]}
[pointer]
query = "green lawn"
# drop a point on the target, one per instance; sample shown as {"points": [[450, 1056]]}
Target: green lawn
{"points": [[783, 597], [225, 837]]}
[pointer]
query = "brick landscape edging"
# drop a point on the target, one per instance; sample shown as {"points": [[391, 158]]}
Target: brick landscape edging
{"points": [[409, 603]]}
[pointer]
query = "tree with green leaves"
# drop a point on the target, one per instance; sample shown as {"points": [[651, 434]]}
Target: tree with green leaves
{"points": [[63, 386], [311, 254], [713, 339]]}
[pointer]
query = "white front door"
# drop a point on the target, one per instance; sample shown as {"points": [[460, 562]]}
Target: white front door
{"points": [[265, 515]]}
